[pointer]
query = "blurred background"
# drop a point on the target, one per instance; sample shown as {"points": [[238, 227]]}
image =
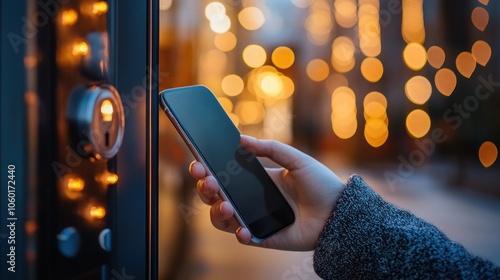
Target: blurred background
{"points": [[404, 93]]}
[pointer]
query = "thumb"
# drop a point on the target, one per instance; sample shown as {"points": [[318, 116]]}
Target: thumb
{"points": [[284, 155]]}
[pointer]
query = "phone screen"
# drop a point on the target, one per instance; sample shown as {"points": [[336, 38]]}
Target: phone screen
{"points": [[244, 181]]}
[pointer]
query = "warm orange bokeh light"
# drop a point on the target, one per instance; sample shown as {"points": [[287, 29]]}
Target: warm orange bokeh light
{"points": [[376, 132], [369, 28], [375, 96], [445, 81], [75, 184], [372, 69], [481, 52], [412, 27], [466, 64], [107, 110], [345, 13], [225, 42], [418, 123], [436, 56], [99, 8], [343, 54], [283, 57], [317, 70], [271, 84], [226, 103], [376, 127], [488, 153], [254, 56], [97, 212], [232, 85], [480, 18], [319, 23], [69, 17], [80, 48], [418, 89], [251, 18], [415, 56], [344, 122], [249, 112]]}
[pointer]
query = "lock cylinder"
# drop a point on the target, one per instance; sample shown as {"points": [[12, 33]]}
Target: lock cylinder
{"points": [[96, 120]]}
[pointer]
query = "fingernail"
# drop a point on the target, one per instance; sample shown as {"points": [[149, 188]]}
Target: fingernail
{"points": [[244, 139], [220, 206], [238, 234]]}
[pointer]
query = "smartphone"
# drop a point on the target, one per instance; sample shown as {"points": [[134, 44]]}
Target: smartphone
{"points": [[215, 141]]}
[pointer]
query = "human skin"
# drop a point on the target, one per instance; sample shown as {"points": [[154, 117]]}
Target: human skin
{"points": [[310, 187]]}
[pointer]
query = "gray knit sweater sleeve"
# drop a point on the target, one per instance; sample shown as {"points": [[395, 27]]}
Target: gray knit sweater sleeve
{"points": [[369, 238]]}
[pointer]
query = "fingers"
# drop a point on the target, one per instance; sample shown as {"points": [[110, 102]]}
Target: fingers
{"points": [[222, 216], [208, 190], [243, 235], [197, 170], [282, 154], [206, 186]]}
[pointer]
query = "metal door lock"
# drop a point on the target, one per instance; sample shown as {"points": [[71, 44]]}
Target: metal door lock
{"points": [[96, 120]]}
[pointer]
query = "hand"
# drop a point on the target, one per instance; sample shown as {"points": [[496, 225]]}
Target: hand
{"points": [[310, 187]]}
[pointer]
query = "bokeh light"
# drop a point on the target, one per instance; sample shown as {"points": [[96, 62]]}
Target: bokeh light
{"points": [[466, 64], [436, 56], [226, 103], [254, 56], [283, 57], [446, 81], [418, 123], [345, 13], [344, 122], [415, 56], [369, 28], [69, 17], [488, 153], [225, 42], [481, 52], [271, 84], [375, 112], [480, 18], [412, 27], [343, 54], [319, 23], [372, 69], [317, 70], [288, 86], [215, 11], [221, 26], [249, 112], [251, 18], [418, 89], [232, 85], [376, 132]]}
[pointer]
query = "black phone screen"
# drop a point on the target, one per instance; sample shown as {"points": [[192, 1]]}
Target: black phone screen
{"points": [[244, 180]]}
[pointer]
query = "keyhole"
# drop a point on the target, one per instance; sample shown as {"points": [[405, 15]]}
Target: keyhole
{"points": [[106, 139]]}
